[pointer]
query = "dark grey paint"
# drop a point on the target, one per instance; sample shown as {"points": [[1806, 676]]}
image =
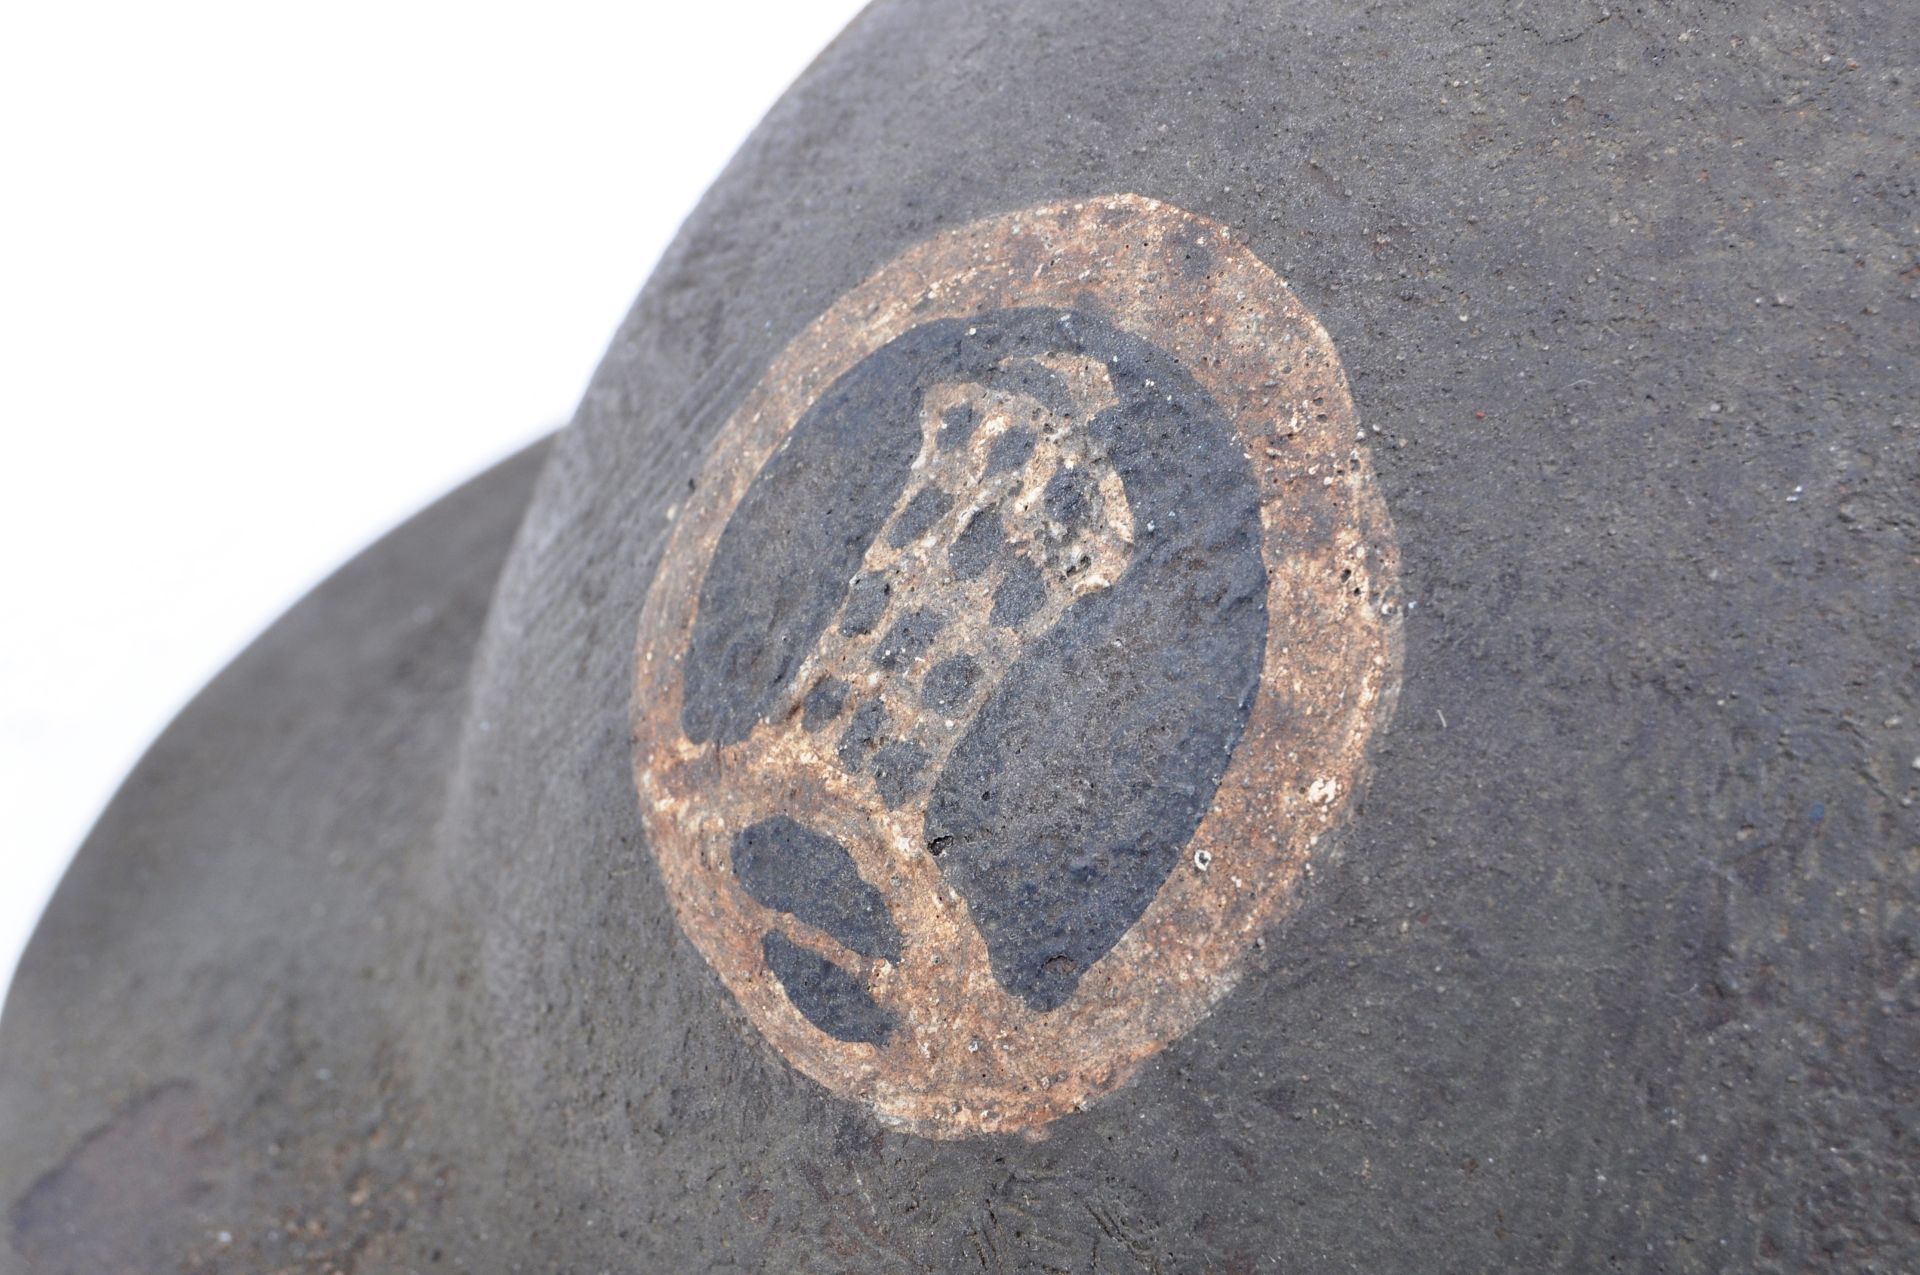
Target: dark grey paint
{"points": [[793, 869], [1615, 967], [832, 999]]}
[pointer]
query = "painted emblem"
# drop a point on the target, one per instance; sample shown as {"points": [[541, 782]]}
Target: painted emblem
{"points": [[1023, 635]]}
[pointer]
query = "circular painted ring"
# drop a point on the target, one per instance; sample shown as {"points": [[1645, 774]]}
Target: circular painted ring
{"points": [[1021, 640]]}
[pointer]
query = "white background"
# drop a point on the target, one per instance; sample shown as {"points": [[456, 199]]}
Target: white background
{"points": [[274, 277]]}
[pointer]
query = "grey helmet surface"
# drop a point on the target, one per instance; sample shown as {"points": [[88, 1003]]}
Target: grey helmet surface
{"points": [[1608, 963]]}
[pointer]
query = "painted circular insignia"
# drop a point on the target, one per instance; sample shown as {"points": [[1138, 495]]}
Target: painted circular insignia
{"points": [[1023, 636]]}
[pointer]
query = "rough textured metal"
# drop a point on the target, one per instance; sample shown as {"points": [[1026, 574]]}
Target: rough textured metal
{"points": [[956, 1041], [1615, 963]]}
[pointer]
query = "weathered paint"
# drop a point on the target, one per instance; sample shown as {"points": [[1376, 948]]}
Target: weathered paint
{"points": [[1024, 634]]}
